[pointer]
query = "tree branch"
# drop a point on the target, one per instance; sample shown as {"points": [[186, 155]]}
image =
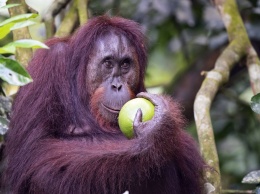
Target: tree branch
{"points": [[68, 22], [50, 27], [238, 47], [23, 55], [237, 30], [83, 11], [213, 80]]}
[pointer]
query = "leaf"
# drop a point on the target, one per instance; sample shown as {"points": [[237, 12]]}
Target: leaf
{"points": [[5, 29], [8, 89], [7, 49], [22, 24], [19, 18], [29, 43], [23, 43], [9, 6], [255, 103], [13, 73]]}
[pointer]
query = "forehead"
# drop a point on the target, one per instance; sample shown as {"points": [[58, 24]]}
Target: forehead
{"points": [[113, 44]]}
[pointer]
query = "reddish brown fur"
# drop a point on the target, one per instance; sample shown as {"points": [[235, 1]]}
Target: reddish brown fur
{"points": [[43, 159]]}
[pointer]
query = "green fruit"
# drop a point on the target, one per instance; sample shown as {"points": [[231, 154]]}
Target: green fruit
{"points": [[128, 111]]}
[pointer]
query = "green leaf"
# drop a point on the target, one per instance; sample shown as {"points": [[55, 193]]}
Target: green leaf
{"points": [[7, 49], [23, 43], [9, 6], [13, 73], [5, 29], [19, 18], [255, 103], [29, 43], [22, 24]]}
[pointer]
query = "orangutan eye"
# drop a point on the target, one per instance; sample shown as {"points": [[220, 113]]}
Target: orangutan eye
{"points": [[108, 63], [126, 64]]}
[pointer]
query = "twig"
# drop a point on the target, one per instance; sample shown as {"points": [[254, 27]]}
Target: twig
{"points": [[238, 191]]}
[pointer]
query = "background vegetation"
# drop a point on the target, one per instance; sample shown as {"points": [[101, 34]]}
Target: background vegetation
{"points": [[185, 38]]}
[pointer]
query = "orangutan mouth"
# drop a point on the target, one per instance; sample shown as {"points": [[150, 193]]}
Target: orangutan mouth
{"points": [[112, 110]]}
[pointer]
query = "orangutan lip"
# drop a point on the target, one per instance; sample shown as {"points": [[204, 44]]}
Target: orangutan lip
{"points": [[110, 109]]}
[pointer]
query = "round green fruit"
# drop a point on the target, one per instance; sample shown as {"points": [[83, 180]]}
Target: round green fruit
{"points": [[128, 111]]}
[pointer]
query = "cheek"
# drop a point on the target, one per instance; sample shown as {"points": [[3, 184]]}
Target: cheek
{"points": [[95, 100], [93, 79]]}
